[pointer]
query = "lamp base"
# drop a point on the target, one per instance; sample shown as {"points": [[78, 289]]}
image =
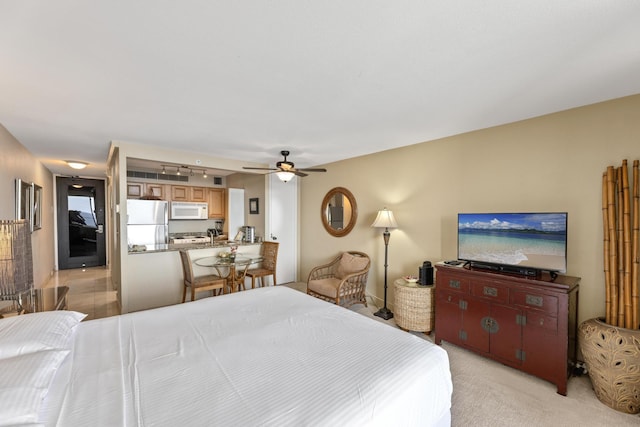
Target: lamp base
{"points": [[384, 312]]}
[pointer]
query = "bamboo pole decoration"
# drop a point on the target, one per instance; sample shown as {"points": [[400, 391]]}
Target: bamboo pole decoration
{"points": [[626, 319], [635, 268], [605, 237], [613, 248], [620, 241]]}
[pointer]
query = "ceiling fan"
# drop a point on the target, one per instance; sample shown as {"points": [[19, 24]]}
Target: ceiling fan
{"points": [[286, 169]]}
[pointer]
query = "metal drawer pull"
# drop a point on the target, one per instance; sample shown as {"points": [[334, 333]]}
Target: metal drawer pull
{"points": [[534, 300], [491, 292], [454, 284]]}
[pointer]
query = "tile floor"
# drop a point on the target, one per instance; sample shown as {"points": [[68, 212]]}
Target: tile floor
{"points": [[90, 291]]}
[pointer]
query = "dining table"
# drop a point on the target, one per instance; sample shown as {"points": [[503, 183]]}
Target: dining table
{"points": [[234, 267]]}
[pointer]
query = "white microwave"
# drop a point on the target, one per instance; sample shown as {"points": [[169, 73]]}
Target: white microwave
{"points": [[189, 210]]}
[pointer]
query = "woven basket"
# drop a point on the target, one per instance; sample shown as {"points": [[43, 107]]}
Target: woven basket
{"points": [[413, 307]]}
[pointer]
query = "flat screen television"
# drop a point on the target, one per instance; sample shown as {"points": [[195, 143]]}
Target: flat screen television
{"points": [[525, 243]]}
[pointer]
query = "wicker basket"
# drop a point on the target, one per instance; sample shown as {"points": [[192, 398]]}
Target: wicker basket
{"points": [[413, 306]]}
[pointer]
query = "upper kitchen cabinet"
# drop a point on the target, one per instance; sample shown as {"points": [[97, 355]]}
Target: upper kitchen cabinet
{"points": [[216, 201], [156, 190], [199, 194], [187, 193], [137, 190], [180, 193]]}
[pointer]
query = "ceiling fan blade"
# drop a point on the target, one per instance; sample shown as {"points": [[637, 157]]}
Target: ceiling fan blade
{"points": [[298, 173], [313, 169], [260, 169]]}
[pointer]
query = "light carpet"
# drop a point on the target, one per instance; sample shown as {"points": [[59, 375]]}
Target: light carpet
{"points": [[487, 393]]}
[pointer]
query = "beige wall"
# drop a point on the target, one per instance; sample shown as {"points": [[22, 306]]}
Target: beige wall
{"points": [[17, 162], [550, 163], [254, 187]]}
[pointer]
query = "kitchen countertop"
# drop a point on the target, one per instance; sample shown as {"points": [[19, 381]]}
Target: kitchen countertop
{"points": [[141, 249]]}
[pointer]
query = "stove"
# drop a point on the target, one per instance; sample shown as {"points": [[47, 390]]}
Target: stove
{"points": [[190, 239]]}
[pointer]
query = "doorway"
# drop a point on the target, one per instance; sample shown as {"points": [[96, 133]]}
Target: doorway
{"points": [[80, 211]]}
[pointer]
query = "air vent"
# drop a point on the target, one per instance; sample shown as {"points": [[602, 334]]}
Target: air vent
{"points": [[157, 176], [217, 180]]}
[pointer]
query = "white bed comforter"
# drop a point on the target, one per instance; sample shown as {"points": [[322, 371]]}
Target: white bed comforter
{"points": [[270, 357]]}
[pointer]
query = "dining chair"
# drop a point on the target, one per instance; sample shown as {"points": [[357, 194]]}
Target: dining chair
{"points": [[209, 282], [269, 253]]}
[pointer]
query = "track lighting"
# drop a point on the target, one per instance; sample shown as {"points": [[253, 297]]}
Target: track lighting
{"points": [[187, 169]]}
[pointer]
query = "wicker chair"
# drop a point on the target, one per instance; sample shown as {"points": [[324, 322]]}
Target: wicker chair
{"points": [[210, 282], [268, 268], [342, 281]]}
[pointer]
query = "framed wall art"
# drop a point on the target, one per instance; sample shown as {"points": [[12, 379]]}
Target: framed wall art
{"points": [[29, 203], [254, 206]]}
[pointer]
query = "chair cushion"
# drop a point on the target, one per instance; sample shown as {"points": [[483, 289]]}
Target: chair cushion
{"points": [[327, 287], [205, 280], [350, 264]]}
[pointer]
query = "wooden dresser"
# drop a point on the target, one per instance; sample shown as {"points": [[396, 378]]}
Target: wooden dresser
{"points": [[528, 324]]}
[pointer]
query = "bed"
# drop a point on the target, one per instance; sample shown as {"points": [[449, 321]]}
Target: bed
{"points": [[270, 356]]}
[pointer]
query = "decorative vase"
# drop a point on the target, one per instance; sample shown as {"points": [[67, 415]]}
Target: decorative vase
{"points": [[612, 356]]}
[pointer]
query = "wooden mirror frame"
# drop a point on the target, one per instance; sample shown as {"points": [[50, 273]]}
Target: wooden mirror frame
{"points": [[354, 212]]}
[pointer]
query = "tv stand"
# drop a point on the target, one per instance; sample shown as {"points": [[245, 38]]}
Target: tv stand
{"points": [[527, 323]]}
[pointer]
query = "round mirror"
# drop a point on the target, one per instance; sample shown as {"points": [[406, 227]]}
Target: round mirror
{"points": [[339, 212]]}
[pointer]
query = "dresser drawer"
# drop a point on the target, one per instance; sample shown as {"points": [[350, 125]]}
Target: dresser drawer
{"points": [[490, 290], [535, 301], [453, 283]]}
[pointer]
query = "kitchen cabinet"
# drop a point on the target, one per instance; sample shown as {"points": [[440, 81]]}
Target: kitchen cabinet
{"points": [[199, 194], [216, 200], [180, 193], [187, 193], [137, 190], [528, 324], [156, 190]]}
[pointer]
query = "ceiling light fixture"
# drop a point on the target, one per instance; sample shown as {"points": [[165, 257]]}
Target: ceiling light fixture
{"points": [[285, 176], [164, 171], [76, 164], [204, 173], [178, 171]]}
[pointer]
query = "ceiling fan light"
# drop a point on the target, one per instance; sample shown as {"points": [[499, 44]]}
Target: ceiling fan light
{"points": [[285, 176], [75, 164]]}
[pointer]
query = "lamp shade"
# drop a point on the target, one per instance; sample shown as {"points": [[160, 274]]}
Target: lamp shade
{"points": [[285, 176], [385, 219], [16, 262]]}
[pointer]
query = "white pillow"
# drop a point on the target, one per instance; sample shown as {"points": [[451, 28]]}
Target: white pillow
{"points": [[28, 333], [24, 382]]}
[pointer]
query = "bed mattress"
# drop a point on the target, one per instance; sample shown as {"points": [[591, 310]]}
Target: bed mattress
{"points": [[270, 357]]}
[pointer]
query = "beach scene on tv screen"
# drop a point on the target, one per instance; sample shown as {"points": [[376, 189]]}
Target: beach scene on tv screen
{"points": [[529, 240]]}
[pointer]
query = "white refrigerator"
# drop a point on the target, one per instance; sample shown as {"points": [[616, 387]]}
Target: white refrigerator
{"points": [[147, 222]]}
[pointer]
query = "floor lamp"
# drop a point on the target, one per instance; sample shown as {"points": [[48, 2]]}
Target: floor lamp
{"points": [[386, 220]]}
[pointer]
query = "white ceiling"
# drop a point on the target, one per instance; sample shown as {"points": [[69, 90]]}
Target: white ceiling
{"points": [[325, 79]]}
